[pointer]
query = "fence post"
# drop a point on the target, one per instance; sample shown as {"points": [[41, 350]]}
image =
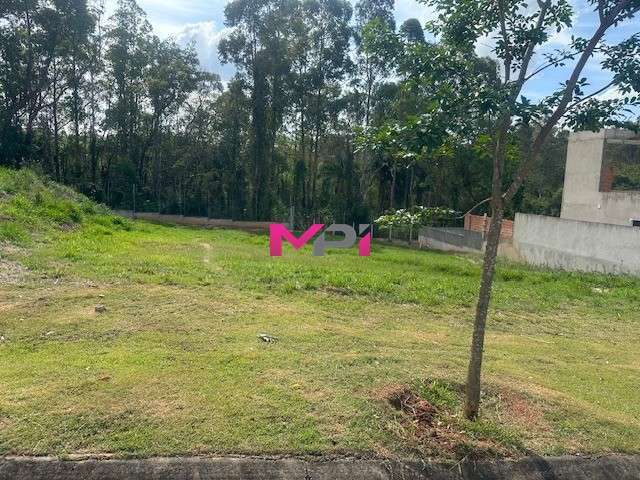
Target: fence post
{"points": [[292, 217]]}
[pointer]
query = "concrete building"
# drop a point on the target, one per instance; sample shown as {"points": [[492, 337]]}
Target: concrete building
{"points": [[599, 225], [590, 191]]}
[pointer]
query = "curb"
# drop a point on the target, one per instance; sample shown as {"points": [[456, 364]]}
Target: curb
{"points": [[614, 467]]}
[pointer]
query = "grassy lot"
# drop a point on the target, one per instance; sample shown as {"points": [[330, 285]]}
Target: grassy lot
{"points": [[174, 365]]}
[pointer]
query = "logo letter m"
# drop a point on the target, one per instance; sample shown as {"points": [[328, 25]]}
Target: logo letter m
{"points": [[278, 232]]}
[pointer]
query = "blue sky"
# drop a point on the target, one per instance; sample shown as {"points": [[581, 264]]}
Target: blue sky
{"points": [[202, 21]]}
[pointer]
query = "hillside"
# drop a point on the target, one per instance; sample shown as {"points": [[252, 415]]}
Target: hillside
{"points": [[33, 207]]}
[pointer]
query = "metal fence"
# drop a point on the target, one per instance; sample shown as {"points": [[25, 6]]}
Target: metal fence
{"points": [[410, 233]]}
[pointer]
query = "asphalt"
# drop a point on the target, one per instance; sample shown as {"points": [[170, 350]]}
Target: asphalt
{"points": [[613, 467]]}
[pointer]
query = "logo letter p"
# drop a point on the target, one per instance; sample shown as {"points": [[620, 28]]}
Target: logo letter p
{"points": [[321, 244]]}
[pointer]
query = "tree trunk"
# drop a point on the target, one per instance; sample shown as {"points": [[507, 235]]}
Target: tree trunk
{"points": [[392, 188], [314, 169], [56, 128], [410, 194], [472, 400], [472, 403]]}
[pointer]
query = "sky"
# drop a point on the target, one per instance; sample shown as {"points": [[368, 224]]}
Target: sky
{"points": [[202, 21]]}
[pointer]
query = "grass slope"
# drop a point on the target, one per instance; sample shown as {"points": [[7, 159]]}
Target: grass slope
{"points": [[174, 366]]}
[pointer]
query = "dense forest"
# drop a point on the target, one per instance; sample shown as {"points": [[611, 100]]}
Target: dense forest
{"points": [[104, 105]]}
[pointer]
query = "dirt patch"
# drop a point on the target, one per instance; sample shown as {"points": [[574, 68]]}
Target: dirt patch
{"points": [[11, 272], [338, 290], [421, 411], [436, 431], [423, 422], [521, 410], [7, 306]]}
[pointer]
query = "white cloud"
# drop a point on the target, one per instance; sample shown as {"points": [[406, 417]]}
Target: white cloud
{"points": [[206, 36], [405, 9], [610, 94], [485, 46], [560, 39]]}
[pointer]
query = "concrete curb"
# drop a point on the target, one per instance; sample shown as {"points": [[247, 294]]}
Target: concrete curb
{"points": [[614, 467]]}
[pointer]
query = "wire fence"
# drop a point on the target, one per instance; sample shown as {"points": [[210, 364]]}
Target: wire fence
{"points": [[409, 233]]}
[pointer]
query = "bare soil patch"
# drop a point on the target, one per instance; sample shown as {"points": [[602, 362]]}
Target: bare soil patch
{"points": [[438, 431], [12, 272]]}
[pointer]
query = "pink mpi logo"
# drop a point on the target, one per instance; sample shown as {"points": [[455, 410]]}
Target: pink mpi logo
{"points": [[278, 232]]}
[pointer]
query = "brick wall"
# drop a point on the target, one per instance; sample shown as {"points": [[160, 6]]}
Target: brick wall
{"points": [[606, 177], [480, 223]]}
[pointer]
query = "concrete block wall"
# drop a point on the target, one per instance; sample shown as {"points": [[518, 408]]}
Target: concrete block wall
{"points": [[587, 194], [577, 245]]}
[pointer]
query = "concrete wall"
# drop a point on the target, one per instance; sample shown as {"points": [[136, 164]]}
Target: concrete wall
{"points": [[197, 221], [601, 467], [581, 197], [450, 239], [577, 245]]}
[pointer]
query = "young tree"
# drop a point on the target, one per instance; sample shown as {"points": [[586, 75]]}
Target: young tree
{"points": [[521, 31]]}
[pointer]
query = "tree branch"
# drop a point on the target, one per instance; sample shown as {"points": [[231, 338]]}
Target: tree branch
{"points": [[475, 206], [601, 10], [531, 47], [568, 56], [507, 47], [591, 95], [561, 109]]}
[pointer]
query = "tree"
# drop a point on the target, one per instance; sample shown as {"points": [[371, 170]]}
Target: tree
{"points": [[95, 68], [171, 76], [35, 39], [520, 33], [429, 123], [329, 36], [233, 110], [127, 56], [412, 31], [258, 47], [373, 15]]}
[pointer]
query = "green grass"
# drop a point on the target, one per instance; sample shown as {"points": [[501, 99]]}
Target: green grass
{"points": [[174, 366], [32, 206]]}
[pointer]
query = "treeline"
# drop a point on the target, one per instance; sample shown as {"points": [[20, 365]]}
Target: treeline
{"points": [[104, 105]]}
